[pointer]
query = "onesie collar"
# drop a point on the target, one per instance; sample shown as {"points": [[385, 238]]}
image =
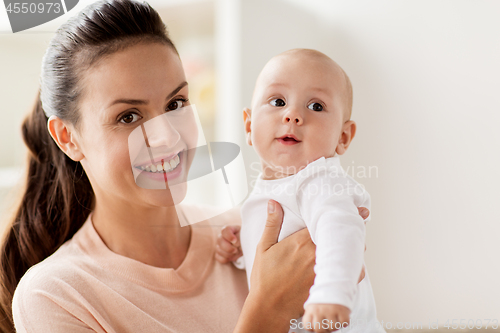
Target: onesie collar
{"points": [[310, 169]]}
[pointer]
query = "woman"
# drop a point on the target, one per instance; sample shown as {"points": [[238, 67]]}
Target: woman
{"points": [[122, 263]]}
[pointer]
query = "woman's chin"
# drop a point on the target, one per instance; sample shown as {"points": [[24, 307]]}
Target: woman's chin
{"points": [[162, 197]]}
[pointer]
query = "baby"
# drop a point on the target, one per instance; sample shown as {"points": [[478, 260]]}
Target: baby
{"points": [[299, 124]]}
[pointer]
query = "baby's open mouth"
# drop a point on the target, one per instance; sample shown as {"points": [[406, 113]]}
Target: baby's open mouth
{"points": [[289, 138], [162, 166]]}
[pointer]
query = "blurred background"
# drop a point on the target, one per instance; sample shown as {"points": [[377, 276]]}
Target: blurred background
{"points": [[426, 80]]}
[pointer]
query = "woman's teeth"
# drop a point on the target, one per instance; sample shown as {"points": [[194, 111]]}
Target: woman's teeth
{"points": [[167, 165]]}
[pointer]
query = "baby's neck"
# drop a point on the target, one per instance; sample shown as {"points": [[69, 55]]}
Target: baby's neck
{"points": [[272, 175], [272, 172]]}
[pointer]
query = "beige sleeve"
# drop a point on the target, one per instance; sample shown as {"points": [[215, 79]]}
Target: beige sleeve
{"points": [[35, 312], [43, 302]]}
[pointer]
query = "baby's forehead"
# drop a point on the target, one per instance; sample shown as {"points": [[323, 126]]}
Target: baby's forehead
{"points": [[307, 62], [306, 54]]}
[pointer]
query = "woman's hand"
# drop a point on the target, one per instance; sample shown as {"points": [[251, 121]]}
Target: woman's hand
{"points": [[282, 275]]}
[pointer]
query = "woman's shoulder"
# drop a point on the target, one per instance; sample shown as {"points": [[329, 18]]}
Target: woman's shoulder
{"points": [[49, 296], [63, 266], [44, 284]]}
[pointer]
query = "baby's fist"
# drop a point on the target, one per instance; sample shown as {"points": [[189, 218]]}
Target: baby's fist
{"points": [[228, 244], [324, 318]]}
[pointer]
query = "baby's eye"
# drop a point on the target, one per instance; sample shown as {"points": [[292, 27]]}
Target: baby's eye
{"points": [[277, 102], [176, 104], [315, 107], [129, 118]]}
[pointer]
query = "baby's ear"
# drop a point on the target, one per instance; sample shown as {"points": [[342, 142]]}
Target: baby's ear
{"points": [[247, 120], [346, 136]]}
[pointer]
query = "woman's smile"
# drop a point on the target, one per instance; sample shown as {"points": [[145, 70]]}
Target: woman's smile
{"points": [[165, 170]]}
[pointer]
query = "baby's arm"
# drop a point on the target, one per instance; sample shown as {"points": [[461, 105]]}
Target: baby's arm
{"points": [[228, 244], [228, 247], [338, 231]]}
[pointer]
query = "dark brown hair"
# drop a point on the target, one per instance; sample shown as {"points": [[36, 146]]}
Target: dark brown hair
{"points": [[58, 196]]}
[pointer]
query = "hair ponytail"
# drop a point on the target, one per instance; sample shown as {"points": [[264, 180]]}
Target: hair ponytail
{"points": [[58, 196], [56, 202]]}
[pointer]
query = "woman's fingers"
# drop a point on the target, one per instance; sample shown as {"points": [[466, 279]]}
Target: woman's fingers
{"points": [[273, 226]]}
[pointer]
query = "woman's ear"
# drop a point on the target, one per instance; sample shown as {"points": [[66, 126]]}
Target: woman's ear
{"points": [[348, 132], [64, 138], [247, 120]]}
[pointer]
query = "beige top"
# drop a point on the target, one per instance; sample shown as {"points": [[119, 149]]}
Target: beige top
{"points": [[85, 287]]}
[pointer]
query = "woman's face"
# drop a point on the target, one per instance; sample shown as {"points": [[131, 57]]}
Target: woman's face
{"points": [[122, 92]]}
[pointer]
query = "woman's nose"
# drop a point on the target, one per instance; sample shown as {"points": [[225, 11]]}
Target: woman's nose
{"points": [[161, 132], [292, 115]]}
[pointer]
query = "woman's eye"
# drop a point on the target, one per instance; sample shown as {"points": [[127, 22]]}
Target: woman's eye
{"points": [[315, 107], [176, 104], [129, 118], [277, 102]]}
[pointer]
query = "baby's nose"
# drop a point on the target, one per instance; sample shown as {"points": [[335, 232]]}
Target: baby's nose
{"points": [[295, 119], [293, 116]]}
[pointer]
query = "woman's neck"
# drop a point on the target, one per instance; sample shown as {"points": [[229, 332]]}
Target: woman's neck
{"points": [[151, 235]]}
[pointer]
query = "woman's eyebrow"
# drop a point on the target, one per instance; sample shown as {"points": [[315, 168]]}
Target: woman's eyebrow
{"points": [[144, 102]]}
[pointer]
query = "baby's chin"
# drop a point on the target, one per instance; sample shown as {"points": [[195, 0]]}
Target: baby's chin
{"points": [[283, 169]]}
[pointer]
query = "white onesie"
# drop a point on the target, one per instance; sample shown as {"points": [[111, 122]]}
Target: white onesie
{"points": [[323, 198]]}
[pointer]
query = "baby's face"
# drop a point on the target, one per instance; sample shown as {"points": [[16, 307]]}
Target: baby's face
{"points": [[297, 113]]}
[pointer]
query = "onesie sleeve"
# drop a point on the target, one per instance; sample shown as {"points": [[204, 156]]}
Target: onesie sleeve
{"points": [[328, 206], [240, 263]]}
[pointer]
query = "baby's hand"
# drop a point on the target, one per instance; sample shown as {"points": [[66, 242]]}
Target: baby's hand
{"points": [[336, 315], [228, 244]]}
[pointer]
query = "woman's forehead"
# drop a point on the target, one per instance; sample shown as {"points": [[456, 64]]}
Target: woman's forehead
{"points": [[138, 72]]}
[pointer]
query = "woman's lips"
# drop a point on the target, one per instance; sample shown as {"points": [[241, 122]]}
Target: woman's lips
{"points": [[157, 160]]}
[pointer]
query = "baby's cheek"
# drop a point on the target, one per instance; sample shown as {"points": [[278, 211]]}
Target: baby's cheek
{"points": [[323, 146], [258, 149], [258, 141]]}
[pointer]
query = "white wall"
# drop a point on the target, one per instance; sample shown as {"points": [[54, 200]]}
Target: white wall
{"points": [[20, 61], [426, 77]]}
